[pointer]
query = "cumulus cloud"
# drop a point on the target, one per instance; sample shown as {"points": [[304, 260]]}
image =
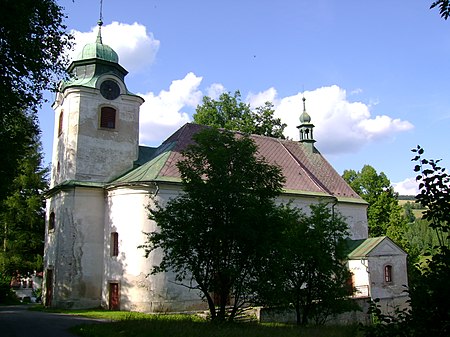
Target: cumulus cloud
{"points": [[341, 126], [408, 186], [136, 47], [215, 90], [163, 113], [258, 99]]}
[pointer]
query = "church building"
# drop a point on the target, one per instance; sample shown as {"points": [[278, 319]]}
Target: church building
{"points": [[102, 180]]}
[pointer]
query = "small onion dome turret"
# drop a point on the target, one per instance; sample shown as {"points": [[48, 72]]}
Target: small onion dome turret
{"points": [[305, 117]]}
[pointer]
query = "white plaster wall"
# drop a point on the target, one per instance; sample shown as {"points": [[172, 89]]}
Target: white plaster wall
{"points": [[355, 214], [74, 249], [86, 152], [380, 288], [128, 216], [360, 277]]}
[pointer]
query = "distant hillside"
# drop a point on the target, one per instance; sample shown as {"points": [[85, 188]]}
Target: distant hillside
{"points": [[407, 197]]}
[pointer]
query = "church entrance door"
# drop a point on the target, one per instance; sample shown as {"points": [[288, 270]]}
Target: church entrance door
{"points": [[114, 299], [48, 287]]}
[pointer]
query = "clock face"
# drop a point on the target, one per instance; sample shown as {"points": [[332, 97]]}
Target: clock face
{"points": [[109, 89]]}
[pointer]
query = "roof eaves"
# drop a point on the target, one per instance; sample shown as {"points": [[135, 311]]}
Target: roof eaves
{"points": [[69, 184]]}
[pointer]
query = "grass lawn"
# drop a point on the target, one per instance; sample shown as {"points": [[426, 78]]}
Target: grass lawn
{"points": [[132, 324]]}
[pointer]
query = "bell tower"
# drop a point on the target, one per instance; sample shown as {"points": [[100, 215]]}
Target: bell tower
{"points": [[96, 139], [96, 135], [306, 129]]}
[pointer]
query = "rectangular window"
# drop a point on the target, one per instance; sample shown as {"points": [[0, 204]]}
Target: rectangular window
{"points": [[60, 123], [51, 221], [388, 273], [107, 117], [114, 244]]}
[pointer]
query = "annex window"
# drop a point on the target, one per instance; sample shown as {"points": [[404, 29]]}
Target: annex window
{"points": [[114, 244], [60, 122], [51, 221], [388, 273], [107, 118]]}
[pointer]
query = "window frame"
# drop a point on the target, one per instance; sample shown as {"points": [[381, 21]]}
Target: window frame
{"points": [[60, 122], [388, 273], [51, 221], [114, 241], [105, 121]]}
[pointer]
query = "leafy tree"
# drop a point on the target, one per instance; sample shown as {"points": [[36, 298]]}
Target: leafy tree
{"points": [[383, 210], [32, 43], [308, 266], [215, 234], [230, 113], [444, 8], [430, 294], [22, 216]]}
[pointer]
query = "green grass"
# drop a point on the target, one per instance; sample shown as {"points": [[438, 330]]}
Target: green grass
{"points": [[133, 324]]}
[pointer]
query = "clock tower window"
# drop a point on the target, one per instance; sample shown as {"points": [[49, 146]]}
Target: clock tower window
{"points": [[107, 118]]}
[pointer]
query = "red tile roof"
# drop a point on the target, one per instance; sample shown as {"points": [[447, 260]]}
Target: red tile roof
{"points": [[305, 172]]}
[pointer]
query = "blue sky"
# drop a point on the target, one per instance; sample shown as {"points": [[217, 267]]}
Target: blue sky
{"points": [[374, 74]]}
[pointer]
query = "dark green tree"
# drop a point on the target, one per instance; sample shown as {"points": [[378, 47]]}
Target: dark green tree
{"points": [[215, 234], [308, 267], [444, 8], [22, 216], [33, 39], [383, 210], [230, 113]]}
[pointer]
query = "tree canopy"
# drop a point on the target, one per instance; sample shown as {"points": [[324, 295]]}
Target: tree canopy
{"points": [[33, 39], [384, 210], [22, 216], [229, 112], [215, 234], [444, 8], [308, 267], [429, 314]]}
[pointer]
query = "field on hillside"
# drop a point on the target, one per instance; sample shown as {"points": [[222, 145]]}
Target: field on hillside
{"points": [[416, 211]]}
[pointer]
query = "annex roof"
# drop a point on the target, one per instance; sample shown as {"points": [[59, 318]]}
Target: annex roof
{"points": [[364, 248], [306, 172]]}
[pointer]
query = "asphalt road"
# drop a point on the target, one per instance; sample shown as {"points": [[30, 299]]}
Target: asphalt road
{"points": [[18, 321]]}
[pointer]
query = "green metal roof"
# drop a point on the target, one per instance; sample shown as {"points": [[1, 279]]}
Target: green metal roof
{"points": [[150, 171], [358, 249], [100, 51]]}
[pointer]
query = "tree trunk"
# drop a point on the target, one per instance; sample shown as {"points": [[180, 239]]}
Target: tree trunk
{"points": [[298, 313], [211, 306]]}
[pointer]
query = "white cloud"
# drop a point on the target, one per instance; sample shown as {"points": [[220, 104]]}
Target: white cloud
{"points": [[163, 113], [341, 126], [258, 99], [408, 186], [135, 46], [215, 90]]}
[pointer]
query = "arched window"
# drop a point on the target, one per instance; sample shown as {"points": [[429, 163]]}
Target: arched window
{"points": [[51, 221], [60, 123], [388, 273], [107, 118]]}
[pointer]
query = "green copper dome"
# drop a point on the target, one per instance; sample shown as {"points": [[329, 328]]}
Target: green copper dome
{"points": [[98, 51], [305, 117]]}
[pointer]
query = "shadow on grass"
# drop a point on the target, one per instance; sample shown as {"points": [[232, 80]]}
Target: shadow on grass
{"points": [[192, 326]]}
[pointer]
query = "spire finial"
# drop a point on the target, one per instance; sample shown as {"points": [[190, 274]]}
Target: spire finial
{"points": [[100, 24], [304, 103]]}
